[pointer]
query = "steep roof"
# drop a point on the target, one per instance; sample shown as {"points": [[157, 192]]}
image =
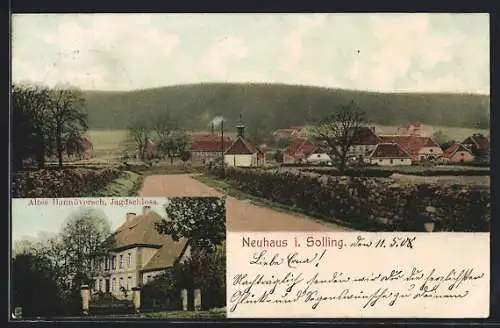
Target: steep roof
{"points": [[479, 141], [140, 230], [450, 151], [166, 256], [411, 144], [242, 146], [300, 145], [389, 150], [365, 136]]}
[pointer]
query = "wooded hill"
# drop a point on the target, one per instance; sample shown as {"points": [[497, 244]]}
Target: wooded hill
{"points": [[266, 107]]}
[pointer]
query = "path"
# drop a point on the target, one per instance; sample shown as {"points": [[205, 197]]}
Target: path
{"points": [[241, 215]]}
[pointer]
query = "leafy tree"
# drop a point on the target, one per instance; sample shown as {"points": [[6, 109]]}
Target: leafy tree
{"points": [[338, 132], [31, 129], [440, 137], [66, 117], [33, 286], [283, 142], [201, 220], [185, 156], [74, 145], [84, 237]]}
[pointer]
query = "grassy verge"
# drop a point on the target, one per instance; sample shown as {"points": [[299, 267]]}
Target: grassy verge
{"points": [[127, 184], [231, 189]]}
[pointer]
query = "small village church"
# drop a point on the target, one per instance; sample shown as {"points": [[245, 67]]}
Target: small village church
{"points": [[242, 152]]}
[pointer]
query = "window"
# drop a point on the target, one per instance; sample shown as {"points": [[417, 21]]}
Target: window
{"points": [[148, 279], [121, 282], [402, 160], [121, 262], [113, 263], [129, 283], [129, 260], [431, 150], [380, 160], [391, 161], [462, 154], [113, 285], [319, 155], [100, 284], [106, 263]]}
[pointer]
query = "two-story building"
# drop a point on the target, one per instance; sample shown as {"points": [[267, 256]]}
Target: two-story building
{"points": [[137, 253]]}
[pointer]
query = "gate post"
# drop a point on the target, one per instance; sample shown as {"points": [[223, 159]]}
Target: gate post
{"points": [[197, 299], [84, 292], [136, 297], [184, 299]]}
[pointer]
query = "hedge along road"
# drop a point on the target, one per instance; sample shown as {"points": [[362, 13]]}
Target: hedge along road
{"points": [[241, 215]]}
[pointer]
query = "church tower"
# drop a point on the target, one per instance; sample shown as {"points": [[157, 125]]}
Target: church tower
{"points": [[240, 128]]}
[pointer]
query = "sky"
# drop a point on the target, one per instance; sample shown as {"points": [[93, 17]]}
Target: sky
{"points": [[408, 52], [34, 222]]}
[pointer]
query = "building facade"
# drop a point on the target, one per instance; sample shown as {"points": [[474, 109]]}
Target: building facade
{"points": [[389, 154], [137, 253], [242, 152]]}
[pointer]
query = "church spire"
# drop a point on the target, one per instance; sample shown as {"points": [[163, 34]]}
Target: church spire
{"points": [[240, 127]]}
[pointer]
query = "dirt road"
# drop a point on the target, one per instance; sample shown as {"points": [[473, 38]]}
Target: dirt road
{"points": [[241, 214]]}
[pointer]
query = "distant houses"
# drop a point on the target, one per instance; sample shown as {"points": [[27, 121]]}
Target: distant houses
{"points": [[396, 149], [207, 146]]}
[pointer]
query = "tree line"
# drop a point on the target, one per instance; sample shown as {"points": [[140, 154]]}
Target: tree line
{"points": [[162, 130], [46, 122]]}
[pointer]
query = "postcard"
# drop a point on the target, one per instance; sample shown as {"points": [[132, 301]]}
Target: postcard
{"points": [[351, 152]]}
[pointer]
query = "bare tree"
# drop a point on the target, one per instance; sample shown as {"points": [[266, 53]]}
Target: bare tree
{"points": [[139, 131], [338, 131], [67, 117]]}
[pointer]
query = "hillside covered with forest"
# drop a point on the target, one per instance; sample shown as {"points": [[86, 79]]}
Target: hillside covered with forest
{"points": [[266, 107]]}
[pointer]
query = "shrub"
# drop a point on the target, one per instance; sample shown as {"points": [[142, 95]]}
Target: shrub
{"points": [[368, 203], [75, 182]]}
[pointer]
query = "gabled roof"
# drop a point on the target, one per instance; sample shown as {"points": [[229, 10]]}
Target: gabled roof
{"points": [[479, 141], [140, 230], [389, 150], [242, 146], [411, 144], [208, 142], [166, 256], [365, 136], [300, 145], [450, 151]]}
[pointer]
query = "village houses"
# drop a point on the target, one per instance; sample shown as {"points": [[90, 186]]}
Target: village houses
{"points": [[207, 146], [137, 254]]}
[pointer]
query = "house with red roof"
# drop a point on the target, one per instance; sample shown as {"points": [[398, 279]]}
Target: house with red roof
{"points": [[242, 152], [420, 148], [389, 154], [457, 153], [207, 146], [298, 150]]}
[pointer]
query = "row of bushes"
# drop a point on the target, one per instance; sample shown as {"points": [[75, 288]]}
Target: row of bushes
{"points": [[368, 203], [47, 183], [412, 170]]}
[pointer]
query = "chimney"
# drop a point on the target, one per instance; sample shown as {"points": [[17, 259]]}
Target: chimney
{"points": [[129, 216], [146, 210]]}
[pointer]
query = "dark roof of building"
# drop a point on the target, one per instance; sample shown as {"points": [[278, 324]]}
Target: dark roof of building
{"points": [[479, 141], [365, 136], [242, 146], [389, 150], [300, 146], [140, 230]]}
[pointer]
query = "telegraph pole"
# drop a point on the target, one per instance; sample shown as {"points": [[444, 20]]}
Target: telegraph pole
{"points": [[222, 144]]}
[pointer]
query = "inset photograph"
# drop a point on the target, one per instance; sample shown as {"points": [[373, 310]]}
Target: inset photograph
{"points": [[108, 258]]}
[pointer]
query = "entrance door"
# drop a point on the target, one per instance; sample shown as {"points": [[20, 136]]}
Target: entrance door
{"points": [[107, 286]]}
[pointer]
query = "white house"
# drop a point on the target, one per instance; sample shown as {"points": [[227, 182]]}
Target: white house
{"points": [[242, 152], [389, 154]]}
